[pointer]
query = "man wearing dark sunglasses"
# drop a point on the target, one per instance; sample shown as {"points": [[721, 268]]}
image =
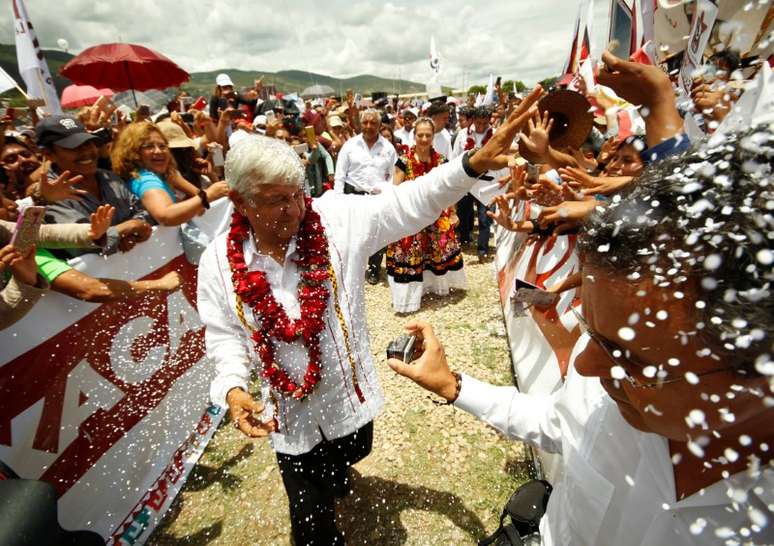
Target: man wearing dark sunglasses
{"points": [[664, 420]]}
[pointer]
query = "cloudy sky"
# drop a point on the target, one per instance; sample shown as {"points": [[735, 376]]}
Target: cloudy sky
{"points": [[516, 39]]}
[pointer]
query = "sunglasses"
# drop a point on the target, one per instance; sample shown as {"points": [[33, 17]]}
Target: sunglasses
{"points": [[10, 159]]}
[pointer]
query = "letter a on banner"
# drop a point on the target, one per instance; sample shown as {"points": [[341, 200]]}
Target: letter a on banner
{"points": [[32, 63]]}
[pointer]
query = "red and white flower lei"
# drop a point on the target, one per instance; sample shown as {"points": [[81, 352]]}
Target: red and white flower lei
{"points": [[470, 142], [253, 288]]}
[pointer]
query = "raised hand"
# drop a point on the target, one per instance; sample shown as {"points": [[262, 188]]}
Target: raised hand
{"points": [[566, 215], [23, 267], [590, 164], [647, 86], [100, 221], [609, 148], [537, 140], [490, 157], [713, 103], [62, 187]]}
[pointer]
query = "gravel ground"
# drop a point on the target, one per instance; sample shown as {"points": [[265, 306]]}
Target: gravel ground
{"points": [[436, 475]]}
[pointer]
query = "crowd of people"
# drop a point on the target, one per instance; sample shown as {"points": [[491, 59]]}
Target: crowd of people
{"points": [[662, 418]]}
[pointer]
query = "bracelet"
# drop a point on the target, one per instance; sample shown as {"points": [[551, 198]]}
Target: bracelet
{"points": [[466, 164], [458, 387], [203, 197]]}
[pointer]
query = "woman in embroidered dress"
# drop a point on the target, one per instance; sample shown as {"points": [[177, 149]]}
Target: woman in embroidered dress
{"points": [[430, 261]]}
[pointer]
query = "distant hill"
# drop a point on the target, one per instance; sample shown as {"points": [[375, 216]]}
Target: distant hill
{"points": [[203, 83]]}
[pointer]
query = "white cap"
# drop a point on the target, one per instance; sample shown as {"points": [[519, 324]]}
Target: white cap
{"points": [[223, 80], [259, 120]]}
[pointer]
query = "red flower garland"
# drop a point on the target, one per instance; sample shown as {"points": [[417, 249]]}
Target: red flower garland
{"points": [[416, 168], [470, 143], [255, 291]]}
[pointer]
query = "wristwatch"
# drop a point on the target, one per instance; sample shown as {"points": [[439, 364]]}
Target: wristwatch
{"points": [[203, 197], [466, 164]]}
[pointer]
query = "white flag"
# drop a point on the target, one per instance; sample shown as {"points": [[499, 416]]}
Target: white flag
{"points": [[32, 63], [490, 92], [6, 81], [435, 59]]}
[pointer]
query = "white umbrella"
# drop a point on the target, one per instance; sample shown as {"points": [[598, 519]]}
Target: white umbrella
{"points": [[318, 91]]}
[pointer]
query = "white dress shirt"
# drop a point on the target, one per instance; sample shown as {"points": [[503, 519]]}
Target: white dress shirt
{"points": [[406, 137], [367, 169], [617, 485], [462, 139], [442, 143], [356, 226]]}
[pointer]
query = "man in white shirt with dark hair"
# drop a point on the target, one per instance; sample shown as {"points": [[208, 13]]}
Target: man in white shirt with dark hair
{"points": [[283, 291], [366, 166]]}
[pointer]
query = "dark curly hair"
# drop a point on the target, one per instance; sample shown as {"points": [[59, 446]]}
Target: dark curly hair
{"points": [[704, 219]]}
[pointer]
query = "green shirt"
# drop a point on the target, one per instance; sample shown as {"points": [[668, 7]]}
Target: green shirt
{"points": [[49, 266]]}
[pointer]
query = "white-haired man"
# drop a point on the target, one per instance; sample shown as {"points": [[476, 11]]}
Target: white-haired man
{"points": [[286, 285], [366, 166]]}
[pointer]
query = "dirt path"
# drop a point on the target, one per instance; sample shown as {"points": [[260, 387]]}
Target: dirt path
{"points": [[435, 476]]}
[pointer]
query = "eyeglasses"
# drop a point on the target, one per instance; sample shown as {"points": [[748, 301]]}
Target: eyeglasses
{"points": [[10, 159], [623, 358], [283, 201], [151, 146]]}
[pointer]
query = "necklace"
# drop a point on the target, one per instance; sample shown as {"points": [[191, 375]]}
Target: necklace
{"points": [[253, 288]]}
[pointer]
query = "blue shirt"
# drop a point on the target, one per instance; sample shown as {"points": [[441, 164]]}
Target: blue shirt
{"points": [[148, 180], [671, 146]]}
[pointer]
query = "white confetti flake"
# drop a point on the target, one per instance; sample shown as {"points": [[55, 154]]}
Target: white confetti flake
{"points": [[692, 378], [698, 526], [626, 333], [617, 372]]}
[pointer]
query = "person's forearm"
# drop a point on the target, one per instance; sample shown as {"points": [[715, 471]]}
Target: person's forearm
{"points": [[179, 183], [410, 207], [180, 212], [16, 300], [557, 159], [662, 122], [527, 417], [65, 236], [84, 287]]}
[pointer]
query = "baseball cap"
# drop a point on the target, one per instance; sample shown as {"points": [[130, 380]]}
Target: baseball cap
{"points": [[64, 131], [335, 121], [223, 80]]}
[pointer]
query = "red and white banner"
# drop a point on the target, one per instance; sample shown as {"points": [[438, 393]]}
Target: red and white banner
{"points": [[109, 403], [540, 342]]}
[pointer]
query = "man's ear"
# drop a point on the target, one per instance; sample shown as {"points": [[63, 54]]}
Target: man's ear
{"points": [[238, 200]]}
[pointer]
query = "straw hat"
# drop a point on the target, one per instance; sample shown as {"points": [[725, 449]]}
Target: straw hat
{"points": [[572, 121], [175, 134]]}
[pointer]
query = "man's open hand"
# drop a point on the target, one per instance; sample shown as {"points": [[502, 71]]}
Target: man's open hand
{"points": [[490, 156], [246, 411]]}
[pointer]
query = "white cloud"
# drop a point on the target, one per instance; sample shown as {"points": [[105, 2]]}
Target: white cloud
{"points": [[518, 40]]}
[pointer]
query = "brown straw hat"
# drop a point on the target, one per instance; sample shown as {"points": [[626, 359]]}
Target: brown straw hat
{"points": [[572, 121]]}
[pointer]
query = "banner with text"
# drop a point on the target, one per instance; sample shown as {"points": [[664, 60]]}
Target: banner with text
{"points": [[109, 403]]}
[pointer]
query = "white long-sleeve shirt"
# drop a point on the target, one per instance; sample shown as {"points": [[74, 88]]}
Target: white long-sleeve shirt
{"points": [[369, 170], [356, 226], [617, 483], [442, 143]]}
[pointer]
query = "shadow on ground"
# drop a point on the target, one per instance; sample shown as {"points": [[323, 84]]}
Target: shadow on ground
{"points": [[371, 513]]}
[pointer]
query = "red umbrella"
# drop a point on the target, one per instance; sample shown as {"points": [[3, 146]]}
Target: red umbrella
{"points": [[74, 96], [124, 66]]}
